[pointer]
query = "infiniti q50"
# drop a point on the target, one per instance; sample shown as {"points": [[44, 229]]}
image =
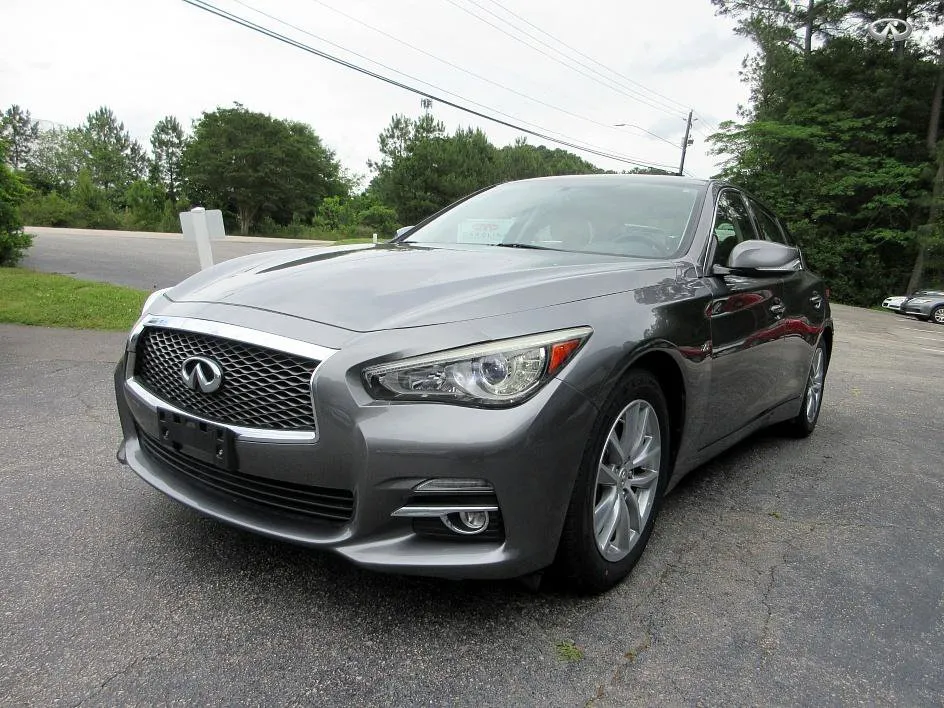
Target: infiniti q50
{"points": [[508, 387]]}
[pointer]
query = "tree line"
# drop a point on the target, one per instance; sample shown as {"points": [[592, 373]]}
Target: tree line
{"points": [[269, 176], [842, 137]]}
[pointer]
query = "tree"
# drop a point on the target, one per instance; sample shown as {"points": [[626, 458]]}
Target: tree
{"points": [[422, 169], [256, 166], [794, 23], [55, 160], [112, 157], [19, 131], [834, 141], [167, 148], [13, 242]]}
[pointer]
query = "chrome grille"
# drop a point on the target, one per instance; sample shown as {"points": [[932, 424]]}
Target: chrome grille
{"points": [[262, 388]]}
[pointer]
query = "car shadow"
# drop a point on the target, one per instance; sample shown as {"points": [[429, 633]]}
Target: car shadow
{"points": [[206, 553]]}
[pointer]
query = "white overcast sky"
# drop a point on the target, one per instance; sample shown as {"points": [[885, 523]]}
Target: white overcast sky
{"points": [[61, 59]]}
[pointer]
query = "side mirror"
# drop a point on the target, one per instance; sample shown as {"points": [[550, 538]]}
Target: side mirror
{"points": [[759, 258], [402, 231]]}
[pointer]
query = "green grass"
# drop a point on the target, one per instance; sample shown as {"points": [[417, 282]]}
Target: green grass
{"points": [[47, 300], [347, 241], [568, 651]]}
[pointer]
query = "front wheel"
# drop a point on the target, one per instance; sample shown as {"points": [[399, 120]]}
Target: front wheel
{"points": [[937, 315], [805, 421], [619, 487]]}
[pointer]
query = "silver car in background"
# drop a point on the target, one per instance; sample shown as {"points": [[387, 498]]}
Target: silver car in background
{"points": [[925, 305]]}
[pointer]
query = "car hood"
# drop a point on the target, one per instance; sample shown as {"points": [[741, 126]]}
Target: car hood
{"points": [[392, 286]]}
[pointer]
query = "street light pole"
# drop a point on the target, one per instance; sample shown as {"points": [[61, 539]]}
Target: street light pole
{"points": [[685, 143]]}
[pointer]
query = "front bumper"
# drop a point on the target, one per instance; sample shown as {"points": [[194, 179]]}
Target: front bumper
{"points": [[922, 310], [529, 455]]}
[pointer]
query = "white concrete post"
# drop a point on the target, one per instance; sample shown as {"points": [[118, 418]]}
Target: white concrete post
{"points": [[202, 226]]}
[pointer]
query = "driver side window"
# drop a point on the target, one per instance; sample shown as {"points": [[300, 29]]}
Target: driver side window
{"points": [[732, 226]]}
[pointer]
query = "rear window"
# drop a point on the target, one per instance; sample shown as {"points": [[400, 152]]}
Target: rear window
{"points": [[622, 217]]}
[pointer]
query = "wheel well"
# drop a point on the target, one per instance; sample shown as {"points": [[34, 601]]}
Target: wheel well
{"points": [[669, 375]]}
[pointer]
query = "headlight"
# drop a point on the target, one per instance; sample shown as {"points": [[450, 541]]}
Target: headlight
{"points": [[151, 299], [494, 374]]}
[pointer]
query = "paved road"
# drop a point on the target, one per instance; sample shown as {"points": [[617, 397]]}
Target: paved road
{"points": [[784, 572], [140, 260]]}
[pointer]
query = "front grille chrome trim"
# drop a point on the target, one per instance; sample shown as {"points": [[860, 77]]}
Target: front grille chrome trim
{"points": [[229, 331], [240, 334], [242, 433]]}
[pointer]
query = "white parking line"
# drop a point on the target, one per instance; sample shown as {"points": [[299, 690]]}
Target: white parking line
{"points": [[936, 351], [932, 339]]}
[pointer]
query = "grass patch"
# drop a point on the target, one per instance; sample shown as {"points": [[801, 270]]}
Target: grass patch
{"points": [[347, 241], [568, 651], [48, 300]]}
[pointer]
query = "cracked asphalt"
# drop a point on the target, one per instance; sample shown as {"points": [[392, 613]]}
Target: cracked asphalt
{"points": [[783, 572]]}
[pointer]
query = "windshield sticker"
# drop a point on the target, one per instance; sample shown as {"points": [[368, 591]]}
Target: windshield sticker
{"points": [[484, 231]]}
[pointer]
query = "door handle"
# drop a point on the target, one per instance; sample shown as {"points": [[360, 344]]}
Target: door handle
{"points": [[778, 308], [817, 300]]}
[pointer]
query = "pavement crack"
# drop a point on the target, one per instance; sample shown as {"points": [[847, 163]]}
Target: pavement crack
{"points": [[115, 674]]}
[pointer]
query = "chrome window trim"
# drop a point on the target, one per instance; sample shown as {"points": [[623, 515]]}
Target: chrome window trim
{"points": [[245, 434], [240, 334]]}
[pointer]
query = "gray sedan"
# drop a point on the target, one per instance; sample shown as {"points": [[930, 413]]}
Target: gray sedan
{"points": [[925, 305], [509, 387]]}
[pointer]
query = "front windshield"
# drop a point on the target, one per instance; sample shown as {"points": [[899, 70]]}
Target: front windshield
{"points": [[620, 217]]}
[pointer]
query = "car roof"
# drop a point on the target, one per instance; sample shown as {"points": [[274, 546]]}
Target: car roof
{"points": [[627, 179]]}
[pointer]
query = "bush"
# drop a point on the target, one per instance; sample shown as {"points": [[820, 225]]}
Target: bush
{"points": [[13, 245], [13, 242], [382, 219], [50, 210]]}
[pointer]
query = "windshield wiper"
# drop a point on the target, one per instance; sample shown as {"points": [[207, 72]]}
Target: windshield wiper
{"points": [[526, 245]]}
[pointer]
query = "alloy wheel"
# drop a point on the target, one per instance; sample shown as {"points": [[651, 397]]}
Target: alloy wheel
{"points": [[814, 386], [627, 480], [938, 315]]}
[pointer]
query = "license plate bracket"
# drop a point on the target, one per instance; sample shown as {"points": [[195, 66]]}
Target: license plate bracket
{"points": [[206, 442]]}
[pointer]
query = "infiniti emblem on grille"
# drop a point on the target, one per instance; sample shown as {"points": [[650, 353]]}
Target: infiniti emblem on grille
{"points": [[201, 374]]}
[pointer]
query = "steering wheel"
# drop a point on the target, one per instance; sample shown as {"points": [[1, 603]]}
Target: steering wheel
{"points": [[656, 239]]}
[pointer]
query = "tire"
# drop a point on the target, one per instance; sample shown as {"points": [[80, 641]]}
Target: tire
{"points": [[805, 421], [585, 563], [937, 315]]}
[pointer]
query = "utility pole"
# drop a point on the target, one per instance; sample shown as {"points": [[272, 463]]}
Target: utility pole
{"points": [[685, 143]]}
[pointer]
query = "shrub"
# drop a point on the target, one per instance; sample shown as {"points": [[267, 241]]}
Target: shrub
{"points": [[50, 210], [13, 242]]}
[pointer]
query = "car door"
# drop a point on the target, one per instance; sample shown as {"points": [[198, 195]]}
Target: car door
{"points": [[804, 297], [745, 313]]}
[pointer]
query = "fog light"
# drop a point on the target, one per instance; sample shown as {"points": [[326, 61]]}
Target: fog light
{"points": [[466, 523], [475, 521]]}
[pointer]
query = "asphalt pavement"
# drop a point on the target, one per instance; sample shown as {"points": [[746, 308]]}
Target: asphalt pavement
{"points": [[783, 572], [142, 260]]}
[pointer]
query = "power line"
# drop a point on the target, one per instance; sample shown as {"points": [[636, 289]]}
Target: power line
{"points": [[707, 123], [668, 102], [409, 76], [248, 24], [380, 64], [648, 132], [479, 76], [604, 81]]}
